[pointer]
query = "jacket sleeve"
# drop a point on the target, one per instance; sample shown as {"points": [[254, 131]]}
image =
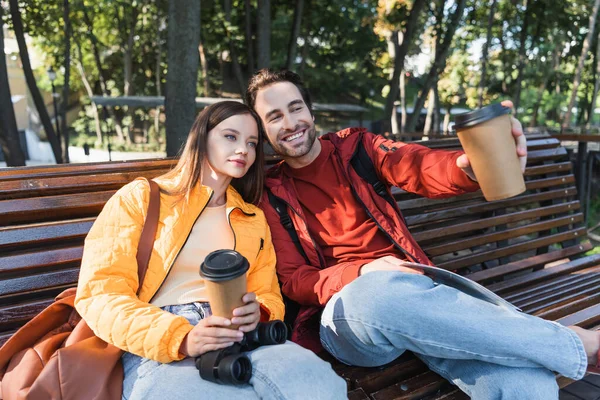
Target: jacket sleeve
{"points": [[262, 280], [418, 169], [108, 280], [304, 283]]}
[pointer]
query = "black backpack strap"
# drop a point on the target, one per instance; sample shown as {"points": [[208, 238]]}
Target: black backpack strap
{"points": [[284, 217], [291, 307], [363, 165]]}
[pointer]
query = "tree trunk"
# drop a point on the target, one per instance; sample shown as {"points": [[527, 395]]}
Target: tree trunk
{"points": [[522, 55], [395, 128], [583, 104], [127, 48], [263, 34], [429, 117], [31, 82], [249, 40], [437, 112], [393, 46], [403, 101], [582, 57], [237, 70], [9, 132], [484, 55], [447, 120], [66, 87], [590, 120], [204, 67], [103, 76], [292, 44], [506, 68], [89, 91], [439, 64], [411, 27], [183, 60], [157, 74], [548, 74], [305, 49]]}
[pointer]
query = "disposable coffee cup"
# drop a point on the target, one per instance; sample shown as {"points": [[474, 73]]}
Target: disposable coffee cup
{"points": [[486, 137], [224, 274]]}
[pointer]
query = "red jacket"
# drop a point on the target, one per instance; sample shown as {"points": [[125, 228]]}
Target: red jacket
{"points": [[414, 168]]}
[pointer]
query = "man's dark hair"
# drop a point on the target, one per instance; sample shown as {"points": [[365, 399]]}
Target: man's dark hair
{"points": [[266, 77]]}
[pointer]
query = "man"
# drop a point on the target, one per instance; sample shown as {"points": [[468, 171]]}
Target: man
{"points": [[352, 281]]}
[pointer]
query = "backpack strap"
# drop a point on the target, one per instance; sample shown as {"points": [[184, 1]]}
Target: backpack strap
{"points": [[148, 232], [363, 165], [284, 217]]}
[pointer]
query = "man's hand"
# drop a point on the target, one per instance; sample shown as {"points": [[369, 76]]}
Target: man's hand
{"points": [[388, 263], [463, 162], [247, 316]]}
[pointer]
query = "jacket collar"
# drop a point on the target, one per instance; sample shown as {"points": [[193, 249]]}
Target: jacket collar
{"points": [[200, 195]]}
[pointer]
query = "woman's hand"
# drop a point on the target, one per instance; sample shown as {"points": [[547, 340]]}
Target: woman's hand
{"points": [[209, 334], [247, 316]]}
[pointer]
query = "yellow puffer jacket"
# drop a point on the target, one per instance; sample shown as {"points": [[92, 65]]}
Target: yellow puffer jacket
{"points": [[108, 281]]}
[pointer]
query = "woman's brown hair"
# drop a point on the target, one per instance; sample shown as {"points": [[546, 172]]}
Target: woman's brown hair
{"points": [[193, 153]]}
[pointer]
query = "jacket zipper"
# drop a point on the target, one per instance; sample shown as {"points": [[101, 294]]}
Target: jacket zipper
{"points": [[184, 243], [231, 226]]}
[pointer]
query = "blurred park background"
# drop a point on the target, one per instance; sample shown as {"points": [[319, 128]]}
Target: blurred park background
{"points": [[85, 80]]}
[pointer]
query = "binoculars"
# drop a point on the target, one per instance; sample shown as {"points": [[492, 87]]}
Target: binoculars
{"points": [[231, 366]]}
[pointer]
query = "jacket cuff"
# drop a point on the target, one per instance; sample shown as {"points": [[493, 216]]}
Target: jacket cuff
{"points": [[350, 273], [176, 340], [265, 314], [460, 179]]}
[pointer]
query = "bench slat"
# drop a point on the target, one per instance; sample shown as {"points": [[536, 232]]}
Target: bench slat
{"points": [[428, 235], [565, 282], [544, 183], [53, 208], [46, 259], [546, 155], [23, 173], [477, 258], [531, 262], [479, 240], [73, 184], [547, 169], [474, 209], [16, 315], [569, 305], [586, 318], [44, 234], [544, 274], [31, 284]]}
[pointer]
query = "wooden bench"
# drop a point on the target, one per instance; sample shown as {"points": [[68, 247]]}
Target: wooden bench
{"points": [[529, 249]]}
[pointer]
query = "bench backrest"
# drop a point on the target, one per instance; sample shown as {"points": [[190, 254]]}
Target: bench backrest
{"points": [[46, 212]]}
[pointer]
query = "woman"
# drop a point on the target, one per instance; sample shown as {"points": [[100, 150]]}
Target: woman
{"points": [[204, 206]]}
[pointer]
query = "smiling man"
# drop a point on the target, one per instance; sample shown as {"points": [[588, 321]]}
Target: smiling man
{"points": [[342, 259]]}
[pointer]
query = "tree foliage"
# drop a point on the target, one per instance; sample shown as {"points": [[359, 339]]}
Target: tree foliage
{"points": [[342, 50]]}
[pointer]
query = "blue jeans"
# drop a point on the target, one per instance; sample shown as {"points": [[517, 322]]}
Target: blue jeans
{"points": [[488, 351], [285, 371]]}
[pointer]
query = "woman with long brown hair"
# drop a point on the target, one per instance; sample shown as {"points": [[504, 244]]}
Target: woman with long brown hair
{"points": [[206, 204]]}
